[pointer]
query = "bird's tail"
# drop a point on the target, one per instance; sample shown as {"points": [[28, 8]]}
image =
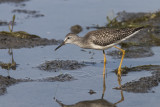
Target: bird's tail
{"points": [[138, 28]]}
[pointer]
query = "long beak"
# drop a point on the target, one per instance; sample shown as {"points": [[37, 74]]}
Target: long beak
{"points": [[63, 43]]}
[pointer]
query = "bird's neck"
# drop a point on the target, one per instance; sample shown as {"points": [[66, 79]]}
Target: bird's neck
{"points": [[80, 42]]}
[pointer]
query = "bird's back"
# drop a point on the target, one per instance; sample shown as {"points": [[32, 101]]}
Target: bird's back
{"points": [[107, 36]]}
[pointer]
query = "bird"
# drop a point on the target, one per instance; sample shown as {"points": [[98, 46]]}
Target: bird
{"points": [[102, 39]]}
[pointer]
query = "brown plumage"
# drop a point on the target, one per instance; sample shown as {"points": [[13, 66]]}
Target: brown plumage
{"points": [[107, 36]]}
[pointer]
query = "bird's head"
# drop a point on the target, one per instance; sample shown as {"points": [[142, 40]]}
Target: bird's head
{"points": [[70, 38]]}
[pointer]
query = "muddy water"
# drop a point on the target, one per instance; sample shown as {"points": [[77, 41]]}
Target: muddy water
{"points": [[59, 16]]}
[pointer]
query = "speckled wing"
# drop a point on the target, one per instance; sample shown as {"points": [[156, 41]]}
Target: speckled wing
{"points": [[107, 36]]}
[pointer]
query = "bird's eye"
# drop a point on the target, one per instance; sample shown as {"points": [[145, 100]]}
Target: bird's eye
{"points": [[68, 38]]}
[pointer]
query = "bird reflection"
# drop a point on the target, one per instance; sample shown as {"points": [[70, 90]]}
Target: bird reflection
{"points": [[98, 102], [10, 65]]}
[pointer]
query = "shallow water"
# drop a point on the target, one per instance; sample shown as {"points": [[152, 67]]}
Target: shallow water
{"points": [[60, 15]]}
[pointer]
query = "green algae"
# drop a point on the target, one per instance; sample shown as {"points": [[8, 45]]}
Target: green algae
{"points": [[133, 22], [19, 34], [8, 66]]}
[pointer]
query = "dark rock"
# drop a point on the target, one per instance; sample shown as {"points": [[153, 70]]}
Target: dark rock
{"points": [[76, 29]]}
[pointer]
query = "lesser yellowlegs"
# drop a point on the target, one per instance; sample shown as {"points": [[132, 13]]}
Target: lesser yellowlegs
{"points": [[102, 39]]}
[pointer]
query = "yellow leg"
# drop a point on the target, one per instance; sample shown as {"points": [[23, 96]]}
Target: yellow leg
{"points": [[104, 84], [104, 57], [104, 70], [123, 53], [104, 63]]}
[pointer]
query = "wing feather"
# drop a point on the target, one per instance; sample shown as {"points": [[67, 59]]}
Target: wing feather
{"points": [[107, 36]]}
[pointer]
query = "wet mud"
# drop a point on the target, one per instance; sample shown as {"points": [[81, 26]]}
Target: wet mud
{"points": [[144, 84], [24, 41], [3, 23], [126, 70], [56, 65], [5, 82], [8, 81], [61, 78], [29, 13], [12, 1]]}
